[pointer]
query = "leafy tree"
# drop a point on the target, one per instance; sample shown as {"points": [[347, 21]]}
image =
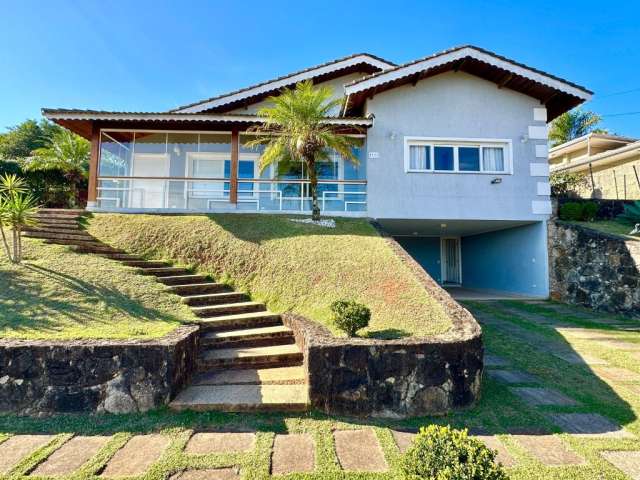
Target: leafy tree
{"points": [[67, 153], [574, 124], [564, 184], [21, 140], [295, 131], [17, 210]]}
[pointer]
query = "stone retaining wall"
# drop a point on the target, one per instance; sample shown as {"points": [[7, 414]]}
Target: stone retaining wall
{"points": [[594, 269], [394, 378], [40, 376]]}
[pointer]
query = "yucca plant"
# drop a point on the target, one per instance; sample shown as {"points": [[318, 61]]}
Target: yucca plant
{"points": [[295, 130], [17, 210]]}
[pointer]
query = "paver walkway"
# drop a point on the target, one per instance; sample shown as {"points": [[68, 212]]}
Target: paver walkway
{"points": [[359, 450], [73, 454], [628, 462], [293, 453], [205, 443], [549, 450], [16, 448], [136, 456]]}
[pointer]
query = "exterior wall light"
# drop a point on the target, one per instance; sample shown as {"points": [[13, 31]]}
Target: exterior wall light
{"points": [[496, 181]]}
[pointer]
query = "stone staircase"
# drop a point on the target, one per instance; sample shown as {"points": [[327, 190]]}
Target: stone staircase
{"points": [[247, 359]]}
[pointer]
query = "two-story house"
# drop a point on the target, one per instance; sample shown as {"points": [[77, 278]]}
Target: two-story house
{"points": [[453, 159]]}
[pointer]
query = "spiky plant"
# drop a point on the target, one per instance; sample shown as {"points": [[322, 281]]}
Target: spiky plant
{"points": [[17, 210], [295, 130]]}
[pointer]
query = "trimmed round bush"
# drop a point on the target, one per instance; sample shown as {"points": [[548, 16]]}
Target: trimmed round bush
{"points": [[350, 316], [444, 453], [589, 211], [571, 211]]}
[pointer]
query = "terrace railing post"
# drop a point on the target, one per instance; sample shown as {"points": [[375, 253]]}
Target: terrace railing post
{"points": [[92, 193], [233, 183]]}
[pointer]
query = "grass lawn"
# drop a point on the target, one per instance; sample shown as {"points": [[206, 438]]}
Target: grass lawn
{"points": [[610, 226], [289, 266], [58, 294], [510, 333]]}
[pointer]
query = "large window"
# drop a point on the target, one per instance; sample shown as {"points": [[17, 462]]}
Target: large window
{"points": [[457, 156]]}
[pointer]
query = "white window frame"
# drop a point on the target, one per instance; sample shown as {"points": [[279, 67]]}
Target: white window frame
{"points": [[504, 143]]}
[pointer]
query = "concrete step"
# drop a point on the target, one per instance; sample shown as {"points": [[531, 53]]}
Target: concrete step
{"points": [[123, 257], [165, 271], [249, 357], [204, 299], [58, 230], [243, 398], [80, 246], [210, 311], [66, 225], [55, 217], [183, 279], [198, 288], [240, 321], [61, 211], [252, 376], [260, 336], [83, 237], [142, 263]]}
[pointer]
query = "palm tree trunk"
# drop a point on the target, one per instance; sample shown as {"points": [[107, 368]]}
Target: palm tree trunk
{"points": [[5, 243], [313, 187], [16, 258], [19, 244]]}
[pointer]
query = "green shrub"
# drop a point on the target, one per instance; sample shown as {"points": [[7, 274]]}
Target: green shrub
{"points": [[589, 211], [443, 453], [350, 316], [631, 214], [579, 211], [571, 211]]}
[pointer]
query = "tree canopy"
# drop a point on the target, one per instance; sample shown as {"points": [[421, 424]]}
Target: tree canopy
{"points": [[574, 124]]}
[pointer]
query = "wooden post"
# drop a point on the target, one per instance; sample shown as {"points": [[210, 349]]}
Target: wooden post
{"points": [[233, 183], [92, 193]]}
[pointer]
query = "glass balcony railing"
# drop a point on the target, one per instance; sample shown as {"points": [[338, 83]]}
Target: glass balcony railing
{"points": [[211, 194]]}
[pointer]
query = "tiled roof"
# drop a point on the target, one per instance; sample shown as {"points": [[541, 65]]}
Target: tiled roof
{"points": [[353, 86], [251, 90]]}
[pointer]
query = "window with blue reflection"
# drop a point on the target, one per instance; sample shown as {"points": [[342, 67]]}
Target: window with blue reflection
{"points": [[469, 159], [443, 158]]}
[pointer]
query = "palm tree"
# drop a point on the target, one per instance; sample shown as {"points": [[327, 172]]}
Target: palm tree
{"points": [[17, 210], [295, 130], [67, 153], [574, 124]]}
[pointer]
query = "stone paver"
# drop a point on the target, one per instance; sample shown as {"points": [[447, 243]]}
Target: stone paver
{"points": [[359, 450], [403, 439], [495, 361], [549, 450], [71, 456], [616, 374], [627, 462], [512, 376], [492, 442], [584, 333], [293, 453], [578, 359], [539, 396], [135, 458], [203, 443], [16, 448], [588, 425], [209, 474]]}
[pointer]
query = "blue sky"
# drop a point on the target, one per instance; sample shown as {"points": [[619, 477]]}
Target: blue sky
{"points": [[155, 55]]}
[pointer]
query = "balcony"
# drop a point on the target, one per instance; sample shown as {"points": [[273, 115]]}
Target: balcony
{"points": [[186, 194]]}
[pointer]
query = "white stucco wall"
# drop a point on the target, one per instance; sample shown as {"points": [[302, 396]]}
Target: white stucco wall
{"points": [[337, 85], [455, 105]]}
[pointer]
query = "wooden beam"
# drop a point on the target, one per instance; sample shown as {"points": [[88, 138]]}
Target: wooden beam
{"points": [[233, 182], [459, 64], [506, 79], [416, 78], [548, 99], [92, 194]]}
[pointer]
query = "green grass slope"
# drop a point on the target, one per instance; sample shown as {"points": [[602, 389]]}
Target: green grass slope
{"points": [[58, 294], [291, 266]]}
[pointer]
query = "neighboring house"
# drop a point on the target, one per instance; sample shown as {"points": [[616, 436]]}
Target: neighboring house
{"points": [[610, 164], [453, 159]]}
